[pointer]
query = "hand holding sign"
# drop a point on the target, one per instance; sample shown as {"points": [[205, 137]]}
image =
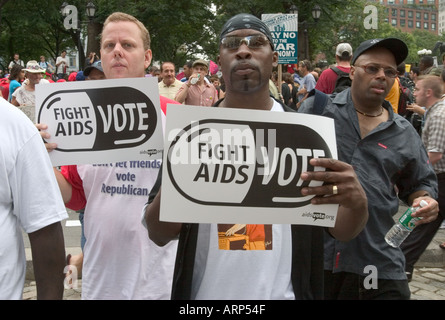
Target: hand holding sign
{"points": [[341, 186], [340, 183], [42, 127]]}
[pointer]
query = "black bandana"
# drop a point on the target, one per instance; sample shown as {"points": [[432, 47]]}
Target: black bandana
{"points": [[245, 21]]}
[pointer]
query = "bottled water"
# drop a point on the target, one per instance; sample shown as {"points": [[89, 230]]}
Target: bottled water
{"points": [[195, 80], [398, 233]]}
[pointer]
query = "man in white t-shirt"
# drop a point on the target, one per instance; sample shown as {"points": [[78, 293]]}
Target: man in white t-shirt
{"points": [[281, 261], [29, 200], [120, 261], [15, 61], [62, 65]]}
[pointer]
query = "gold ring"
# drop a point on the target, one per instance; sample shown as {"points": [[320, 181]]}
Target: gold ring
{"points": [[334, 189]]}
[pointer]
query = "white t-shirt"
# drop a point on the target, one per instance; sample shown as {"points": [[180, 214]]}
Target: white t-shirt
{"points": [[60, 68], [26, 97], [120, 261], [19, 62], [255, 274], [30, 198]]}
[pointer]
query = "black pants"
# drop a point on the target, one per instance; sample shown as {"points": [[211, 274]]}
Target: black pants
{"points": [[351, 286], [419, 239]]}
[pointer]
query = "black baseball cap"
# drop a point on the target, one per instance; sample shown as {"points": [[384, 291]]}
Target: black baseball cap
{"points": [[397, 47]]}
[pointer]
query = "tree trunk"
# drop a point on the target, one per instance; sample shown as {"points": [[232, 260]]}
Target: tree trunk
{"points": [[94, 30]]}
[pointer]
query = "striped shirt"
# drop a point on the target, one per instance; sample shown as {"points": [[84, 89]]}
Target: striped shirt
{"points": [[204, 96], [433, 133]]}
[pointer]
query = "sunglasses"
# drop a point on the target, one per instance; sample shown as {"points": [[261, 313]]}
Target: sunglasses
{"points": [[374, 69], [253, 42]]}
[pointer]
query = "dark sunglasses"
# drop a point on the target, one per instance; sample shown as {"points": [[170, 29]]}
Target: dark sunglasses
{"points": [[253, 42]]}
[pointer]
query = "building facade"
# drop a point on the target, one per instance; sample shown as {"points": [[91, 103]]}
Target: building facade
{"points": [[410, 15]]}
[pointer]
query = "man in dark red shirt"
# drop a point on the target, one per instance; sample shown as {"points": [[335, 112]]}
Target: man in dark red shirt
{"points": [[343, 55]]}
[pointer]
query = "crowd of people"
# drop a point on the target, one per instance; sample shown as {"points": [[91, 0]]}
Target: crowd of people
{"points": [[18, 86], [178, 86], [128, 253]]}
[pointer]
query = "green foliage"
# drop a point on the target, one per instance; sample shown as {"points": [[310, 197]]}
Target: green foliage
{"points": [[31, 29], [179, 29]]}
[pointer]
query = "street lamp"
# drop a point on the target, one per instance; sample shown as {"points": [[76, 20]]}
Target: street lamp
{"points": [[91, 10], [316, 13], [64, 9]]}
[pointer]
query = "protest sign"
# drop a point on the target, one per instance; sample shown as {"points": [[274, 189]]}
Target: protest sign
{"points": [[224, 165], [284, 29], [101, 121]]}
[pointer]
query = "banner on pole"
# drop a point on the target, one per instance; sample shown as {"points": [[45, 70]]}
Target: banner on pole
{"points": [[284, 29]]}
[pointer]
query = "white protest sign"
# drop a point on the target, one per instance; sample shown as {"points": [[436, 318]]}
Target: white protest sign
{"points": [[224, 165], [101, 121]]}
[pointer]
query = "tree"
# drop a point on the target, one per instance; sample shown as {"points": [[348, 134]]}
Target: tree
{"points": [[179, 30], [322, 35], [31, 29], [184, 30]]}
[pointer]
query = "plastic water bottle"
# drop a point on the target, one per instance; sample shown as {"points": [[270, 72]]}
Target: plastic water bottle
{"points": [[398, 233], [195, 80]]}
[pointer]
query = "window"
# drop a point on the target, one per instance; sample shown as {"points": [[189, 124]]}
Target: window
{"points": [[402, 13], [394, 12], [410, 14], [433, 16], [418, 15], [410, 23], [425, 25], [418, 24], [433, 26], [402, 22], [425, 16], [394, 22]]}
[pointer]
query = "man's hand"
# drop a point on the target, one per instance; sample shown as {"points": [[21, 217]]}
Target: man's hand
{"points": [[428, 213], [45, 135], [341, 184]]}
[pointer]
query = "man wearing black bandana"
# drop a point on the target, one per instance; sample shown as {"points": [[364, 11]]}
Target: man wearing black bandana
{"points": [[293, 267]]}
